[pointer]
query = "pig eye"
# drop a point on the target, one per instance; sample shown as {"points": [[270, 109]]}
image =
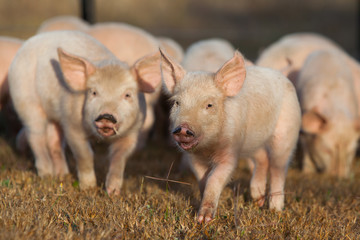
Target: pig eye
{"points": [[209, 106], [127, 95], [93, 92]]}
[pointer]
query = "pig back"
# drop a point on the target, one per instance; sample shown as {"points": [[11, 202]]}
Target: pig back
{"points": [[35, 75], [253, 113], [127, 42], [288, 54]]}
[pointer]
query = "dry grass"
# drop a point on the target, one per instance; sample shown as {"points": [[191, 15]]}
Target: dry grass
{"points": [[317, 207]]}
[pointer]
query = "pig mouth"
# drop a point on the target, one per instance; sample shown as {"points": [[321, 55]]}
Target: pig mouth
{"points": [[186, 142], [106, 129]]}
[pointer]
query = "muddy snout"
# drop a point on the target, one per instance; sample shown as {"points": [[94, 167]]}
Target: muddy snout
{"points": [[106, 125], [185, 137]]}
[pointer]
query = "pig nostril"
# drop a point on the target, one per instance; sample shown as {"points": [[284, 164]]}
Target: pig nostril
{"points": [[177, 130], [106, 116], [188, 132]]}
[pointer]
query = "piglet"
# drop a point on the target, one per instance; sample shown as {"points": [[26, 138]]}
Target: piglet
{"points": [[67, 85], [236, 113], [330, 120]]}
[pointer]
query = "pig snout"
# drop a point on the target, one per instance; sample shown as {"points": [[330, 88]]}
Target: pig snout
{"points": [[185, 137], [106, 125]]}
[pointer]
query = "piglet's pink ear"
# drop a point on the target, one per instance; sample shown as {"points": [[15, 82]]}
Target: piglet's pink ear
{"points": [[231, 76], [75, 69], [147, 72], [171, 72], [313, 122]]}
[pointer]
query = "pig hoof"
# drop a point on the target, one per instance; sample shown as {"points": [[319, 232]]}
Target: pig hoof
{"points": [[260, 201], [113, 191], [85, 186], [206, 214], [113, 186], [87, 180], [44, 172], [277, 203]]}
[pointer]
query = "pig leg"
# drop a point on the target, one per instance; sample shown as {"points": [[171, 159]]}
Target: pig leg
{"points": [[22, 141], [199, 168], [80, 147], [217, 178], [35, 130], [120, 150], [250, 164], [280, 150], [308, 166], [55, 145], [258, 180]]}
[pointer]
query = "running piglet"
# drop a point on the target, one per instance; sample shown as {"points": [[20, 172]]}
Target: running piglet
{"points": [[236, 113]]}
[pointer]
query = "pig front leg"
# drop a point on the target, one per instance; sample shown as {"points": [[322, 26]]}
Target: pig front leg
{"points": [[200, 168], [83, 153], [217, 177], [120, 151]]}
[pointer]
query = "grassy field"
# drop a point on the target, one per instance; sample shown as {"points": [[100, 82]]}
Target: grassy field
{"points": [[317, 207]]}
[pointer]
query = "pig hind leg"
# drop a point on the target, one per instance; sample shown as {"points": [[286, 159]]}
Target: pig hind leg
{"points": [[35, 130], [258, 180], [280, 150], [56, 149]]}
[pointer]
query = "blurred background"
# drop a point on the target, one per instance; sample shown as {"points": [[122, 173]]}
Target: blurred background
{"points": [[250, 25]]}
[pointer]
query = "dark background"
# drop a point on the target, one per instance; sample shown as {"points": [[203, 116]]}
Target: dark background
{"points": [[250, 25]]}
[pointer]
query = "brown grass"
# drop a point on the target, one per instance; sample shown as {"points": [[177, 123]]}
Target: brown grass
{"points": [[317, 207]]}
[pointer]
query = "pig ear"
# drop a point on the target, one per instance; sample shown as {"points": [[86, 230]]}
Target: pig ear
{"points": [[231, 76], [357, 124], [147, 72], [171, 72], [313, 122], [75, 69]]}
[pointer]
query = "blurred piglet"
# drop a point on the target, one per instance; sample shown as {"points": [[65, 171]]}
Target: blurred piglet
{"points": [[236, 113], [208, 55], [289, 53], [65, 84], [330, 121], [63, 23]]}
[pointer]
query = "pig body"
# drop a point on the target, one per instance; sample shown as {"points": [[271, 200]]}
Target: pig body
{"points": [[289, 53], [207, 55], [330, 123], [245, 112], [63, 23], [59, 95], [130, 43]]}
